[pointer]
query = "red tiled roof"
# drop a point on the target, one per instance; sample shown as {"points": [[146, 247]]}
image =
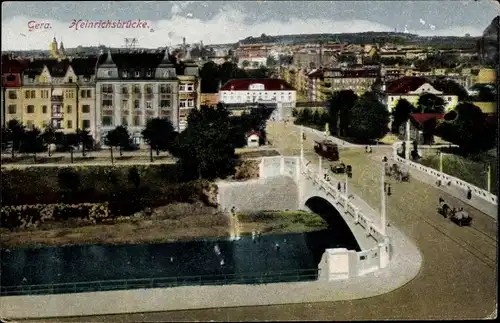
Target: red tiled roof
{"points": [[420, 118], [405, 84], [269, 85]]}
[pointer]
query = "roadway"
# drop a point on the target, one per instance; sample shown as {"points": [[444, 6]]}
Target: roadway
{"points": [[457, 280]]}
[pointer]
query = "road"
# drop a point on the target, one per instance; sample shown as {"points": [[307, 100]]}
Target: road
{"points": [[457, 281]]}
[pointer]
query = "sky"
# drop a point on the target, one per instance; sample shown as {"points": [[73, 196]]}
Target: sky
{"points": [[32, 25]]}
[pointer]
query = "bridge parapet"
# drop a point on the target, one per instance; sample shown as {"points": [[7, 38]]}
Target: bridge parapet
{"points": [[339, 263], [444, 178]]}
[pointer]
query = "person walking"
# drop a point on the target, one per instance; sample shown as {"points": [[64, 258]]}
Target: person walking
{"points": [[389, 190]]}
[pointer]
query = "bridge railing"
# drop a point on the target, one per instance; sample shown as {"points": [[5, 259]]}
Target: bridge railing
{"points": [[161, 282], [445, 178], [365, 261]]}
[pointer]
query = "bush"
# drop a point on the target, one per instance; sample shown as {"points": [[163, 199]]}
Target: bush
{"points": [[26, 216]]}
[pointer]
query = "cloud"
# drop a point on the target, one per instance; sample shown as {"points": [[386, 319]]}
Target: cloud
{"points": [[227, 26]]}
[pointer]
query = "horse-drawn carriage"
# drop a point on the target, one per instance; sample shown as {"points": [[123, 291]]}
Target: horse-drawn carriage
{"points": [[327, 149], [460, 217], [338, 168], [400, 174]]}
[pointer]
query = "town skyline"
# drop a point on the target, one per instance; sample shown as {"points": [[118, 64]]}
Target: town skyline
{"points": [[222, 22]]}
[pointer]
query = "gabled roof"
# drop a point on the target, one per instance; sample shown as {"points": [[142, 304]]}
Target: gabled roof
{"points": [[269, 85], [405, 84], [420, 118], [84, 66], [59, 69], [35, 67]]}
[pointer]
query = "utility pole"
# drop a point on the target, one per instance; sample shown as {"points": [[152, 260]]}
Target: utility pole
{"points": [[301, 144], [488, 175], [383, 202], [441, 161]]}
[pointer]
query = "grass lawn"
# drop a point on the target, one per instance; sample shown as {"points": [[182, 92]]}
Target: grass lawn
{"points": [[272, 222], [471, 171]]}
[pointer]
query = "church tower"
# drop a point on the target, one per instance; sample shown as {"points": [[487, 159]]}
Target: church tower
{"points": [[54, 52], [62, 52]]}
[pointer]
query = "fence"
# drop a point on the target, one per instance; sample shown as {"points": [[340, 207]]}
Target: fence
{"points": [[162, 282]]}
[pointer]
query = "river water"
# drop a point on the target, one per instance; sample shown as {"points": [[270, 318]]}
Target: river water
{"points": [[209, 259]]}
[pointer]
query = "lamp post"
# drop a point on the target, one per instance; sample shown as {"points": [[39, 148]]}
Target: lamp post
{"points": [[441, 161], [382, 201], [301, 144]]}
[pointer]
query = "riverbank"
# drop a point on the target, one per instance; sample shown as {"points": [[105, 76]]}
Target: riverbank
{"points": [[173, 222]]}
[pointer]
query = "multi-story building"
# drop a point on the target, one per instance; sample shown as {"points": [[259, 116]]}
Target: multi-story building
{"points": [[84, 70], [314, 91], [132, 88], [358, 80], [410, 88], [11, 89], [258, 91], [189, 93]]}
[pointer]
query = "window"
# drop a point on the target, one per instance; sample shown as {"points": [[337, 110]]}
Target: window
{"points": [[69, 94], [137, 73], [449, 99], [85, 94], [70, 80], [125, 74], [107, 88], [30, 109], [85, 124], [190, 103], [149, 105], [137, 104], [124, 90], [137, 121], [189, 87], [69, 124], [148, 74], [124, 121], [109, 73], [12, 109], [45, 94], [12, 95], [57, 124], [69, 108], [107, 121], [124, 104], [182, 88], [137, 89], [165, 88], [85, 108], [27, 95], [107, 103], [29, 124], [89, 93], [33, 94], [44, 109], [11, 78], [149, 90], [182, 104], [165, 103], [44, 124]]}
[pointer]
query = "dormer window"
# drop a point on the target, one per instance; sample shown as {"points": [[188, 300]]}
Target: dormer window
{"points": [[148, 74], [109, 73], [70, 80], [137, 73], [125, 74]]}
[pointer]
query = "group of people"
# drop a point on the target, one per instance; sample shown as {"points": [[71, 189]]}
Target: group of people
{"points": [[368, 149]]}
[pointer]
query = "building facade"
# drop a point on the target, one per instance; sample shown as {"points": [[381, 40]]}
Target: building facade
{"points": [[258, 91], [11, 89]]}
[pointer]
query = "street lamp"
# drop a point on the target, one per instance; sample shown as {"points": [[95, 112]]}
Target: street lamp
{"points": [[301, 144], [383, 201]]}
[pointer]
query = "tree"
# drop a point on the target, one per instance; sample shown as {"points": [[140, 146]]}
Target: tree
{"points": [[340, 106], [112, 140], [428, 130], [5, 137], [430, 103], [17, 132], [468, 130], [304, 117], [49, 138], [448, 86], [33, 142], [401, 114], [209, 79], [369, 120], [271, 61], [70, 141], [159, 134], [84, 138], [206, 147], [121, 138], [245, 63]]}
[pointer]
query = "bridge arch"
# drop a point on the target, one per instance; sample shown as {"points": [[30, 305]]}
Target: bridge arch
{"points": [[331, 215]]}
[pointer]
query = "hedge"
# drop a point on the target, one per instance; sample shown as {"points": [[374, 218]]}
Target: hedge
{"points": [[26, 216]]}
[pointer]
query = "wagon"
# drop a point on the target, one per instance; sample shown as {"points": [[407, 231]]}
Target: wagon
{"points": [[327, 149]]}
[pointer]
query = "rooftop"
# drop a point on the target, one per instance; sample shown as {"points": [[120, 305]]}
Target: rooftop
{"points": [[244, 84], [405, 84]]}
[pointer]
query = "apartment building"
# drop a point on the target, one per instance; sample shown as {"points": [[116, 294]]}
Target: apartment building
{"points": [[410, 88], [358, 80], [11, 89], [84, 70], [189, 93], [258, 91]]}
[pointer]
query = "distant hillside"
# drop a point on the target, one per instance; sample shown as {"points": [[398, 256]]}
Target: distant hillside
{"points": [[365, 38], [489, 43]]}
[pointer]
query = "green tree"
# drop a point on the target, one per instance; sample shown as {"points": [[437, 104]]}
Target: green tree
{"points": [[400, 114], [85, 139], [159, 134], [429, 130], [448, 86], [209, 78], [33, 142], [71, 140], [369, 120], [206, 147], [468, 130], [5, 137], [17, 132], [430, 103], [339, 107], [304, 117], [49, 138], [245, 63], [112, 140], [271, 61], [122, 137]]}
